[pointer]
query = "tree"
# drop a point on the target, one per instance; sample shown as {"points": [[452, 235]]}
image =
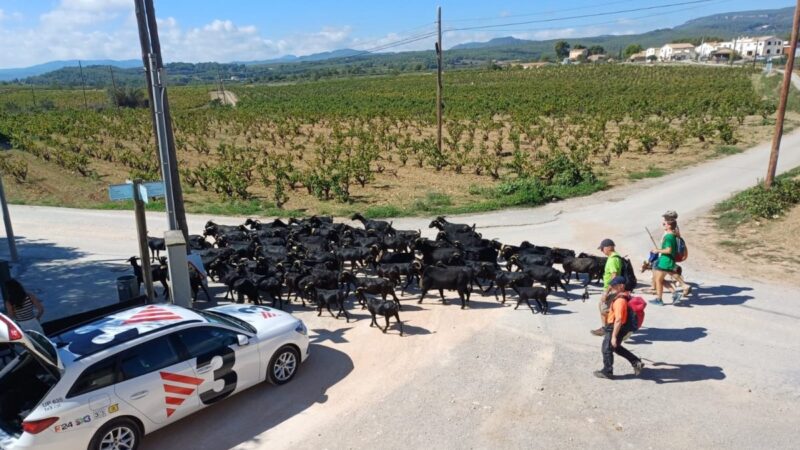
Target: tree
{"points": [[597, 50], [562, 49], [578, 47], [631, 49]]}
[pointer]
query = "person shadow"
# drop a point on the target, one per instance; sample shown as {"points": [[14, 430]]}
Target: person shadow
{"points": [[649, 335], [719, 295], [664, 373]]}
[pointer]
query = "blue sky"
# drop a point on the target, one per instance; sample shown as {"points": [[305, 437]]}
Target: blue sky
{"points": [[36, 31]]}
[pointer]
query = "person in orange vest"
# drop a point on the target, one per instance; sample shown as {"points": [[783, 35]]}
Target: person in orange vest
{"points": [[615, 330]]}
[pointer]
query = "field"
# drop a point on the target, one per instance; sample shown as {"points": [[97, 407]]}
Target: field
{"points": [[512, 137]]}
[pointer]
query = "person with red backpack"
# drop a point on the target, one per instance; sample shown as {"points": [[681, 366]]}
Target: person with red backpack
{"points": [[620, 320]]}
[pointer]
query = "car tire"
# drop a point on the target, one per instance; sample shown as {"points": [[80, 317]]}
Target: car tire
{"points": [[283, 365], [122, 434]]}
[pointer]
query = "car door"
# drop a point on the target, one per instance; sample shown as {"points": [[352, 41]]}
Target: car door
{"points": [[225, 364], [157, 382]]}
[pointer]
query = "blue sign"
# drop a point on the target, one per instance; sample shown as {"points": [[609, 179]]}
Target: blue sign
{"points": [[120, 192], [153, 189]]}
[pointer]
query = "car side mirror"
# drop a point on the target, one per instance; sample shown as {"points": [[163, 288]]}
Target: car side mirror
{"points": [[243, 340]]}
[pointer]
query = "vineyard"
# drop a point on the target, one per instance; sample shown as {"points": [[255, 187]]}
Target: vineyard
{"points": [[511, 137]]}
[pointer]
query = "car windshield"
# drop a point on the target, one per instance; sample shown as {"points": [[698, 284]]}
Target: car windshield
{"points": [[222, 318]]}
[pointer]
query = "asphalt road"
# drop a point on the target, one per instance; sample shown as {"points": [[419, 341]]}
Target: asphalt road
{"points": [[721, 373]]}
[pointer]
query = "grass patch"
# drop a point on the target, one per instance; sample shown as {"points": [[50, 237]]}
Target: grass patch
{"points": [[727, 150], [651, 172], [770, 87], [758, 203]]}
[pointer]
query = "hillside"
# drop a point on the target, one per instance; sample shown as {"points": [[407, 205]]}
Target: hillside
{"points": [[344, 63]]}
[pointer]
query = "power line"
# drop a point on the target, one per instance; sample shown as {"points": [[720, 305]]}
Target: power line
{"points": [[540, 13], [393, 44], [581, 16]]}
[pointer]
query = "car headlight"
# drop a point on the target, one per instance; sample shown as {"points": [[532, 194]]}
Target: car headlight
{"points": [[301, 328]]}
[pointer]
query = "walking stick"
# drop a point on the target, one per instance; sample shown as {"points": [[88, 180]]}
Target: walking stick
{"points": [[651, 237]]}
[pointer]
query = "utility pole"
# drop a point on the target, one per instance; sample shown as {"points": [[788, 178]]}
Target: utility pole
{"points": [[83, 86], [162, 121], [221, 87], [33, 95], [114, 85], [733, 53], [12, 245], [787, 80], [439, 51]]}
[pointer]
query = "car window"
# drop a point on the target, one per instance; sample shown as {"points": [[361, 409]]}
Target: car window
{"points": [[202, 340], [97, 376], [148, 357]]}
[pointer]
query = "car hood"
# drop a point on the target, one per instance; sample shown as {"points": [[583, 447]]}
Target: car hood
{"points": [[262, 318]]}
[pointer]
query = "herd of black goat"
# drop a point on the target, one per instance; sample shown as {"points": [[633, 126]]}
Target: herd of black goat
{"points": [[322, 262]]}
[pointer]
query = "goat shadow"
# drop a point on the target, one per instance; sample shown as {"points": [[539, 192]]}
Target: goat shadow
{"points": [[259, 409], [320, 335], [649, 335], [664, 373]]}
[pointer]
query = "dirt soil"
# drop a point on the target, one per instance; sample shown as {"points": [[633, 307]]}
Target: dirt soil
{"points": [[760, 249], [226, 97]]}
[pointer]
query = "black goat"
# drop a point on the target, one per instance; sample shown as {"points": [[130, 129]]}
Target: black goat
{"points": [[327, 298], [537, 293], [385, 308], [450, 278], [158, 273]]}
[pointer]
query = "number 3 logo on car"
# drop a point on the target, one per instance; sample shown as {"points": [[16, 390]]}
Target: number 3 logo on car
{"points": [[224, 373]]}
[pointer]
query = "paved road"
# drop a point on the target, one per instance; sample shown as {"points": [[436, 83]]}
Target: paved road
{"points": [[723, 373]]}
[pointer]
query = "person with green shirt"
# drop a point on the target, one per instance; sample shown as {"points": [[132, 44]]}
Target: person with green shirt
{"points": [[665, 263], [613, 268]]}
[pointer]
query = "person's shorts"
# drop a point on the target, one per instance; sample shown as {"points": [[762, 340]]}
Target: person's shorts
{"points": [[604, 304]]}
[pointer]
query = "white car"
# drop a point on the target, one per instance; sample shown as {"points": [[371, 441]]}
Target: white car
{"points": [[106, 384]]}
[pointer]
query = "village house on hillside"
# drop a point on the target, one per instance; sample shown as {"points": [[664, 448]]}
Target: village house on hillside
{"points": [[638, 57], [705, 49], [756, 47], [577, 54], [651, 53], [676, 52]]}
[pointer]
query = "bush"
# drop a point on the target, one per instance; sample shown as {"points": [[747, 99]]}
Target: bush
{"points": [[128, 97], [758, 202]]}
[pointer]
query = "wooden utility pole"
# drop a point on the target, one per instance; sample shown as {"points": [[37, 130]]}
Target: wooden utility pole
{"points": [[33, 95], [83, 86], [12, 243], [114, 85], [787, 81], [221, 87], [439, 81]]}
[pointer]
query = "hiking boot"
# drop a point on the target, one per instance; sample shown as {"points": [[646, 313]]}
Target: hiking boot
{"points": [[637, 367], [598, 332], [656, 301], [677, 297], [602, 374]]}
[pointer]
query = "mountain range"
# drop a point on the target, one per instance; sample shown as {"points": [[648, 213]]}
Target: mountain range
{"points": [[347, 62]]}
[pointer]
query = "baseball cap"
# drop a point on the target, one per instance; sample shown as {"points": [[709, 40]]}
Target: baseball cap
{"points": [[617, 280], [606, 243]]}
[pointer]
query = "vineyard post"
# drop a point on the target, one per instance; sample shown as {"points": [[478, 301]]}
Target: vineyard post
{"points": [[33, 95], [787, 81], [159, 107], [83, 86], [439, 51]]}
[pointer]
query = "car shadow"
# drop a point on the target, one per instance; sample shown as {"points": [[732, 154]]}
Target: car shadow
{"points": [[663, 373], [257, 409], [649, 335]]}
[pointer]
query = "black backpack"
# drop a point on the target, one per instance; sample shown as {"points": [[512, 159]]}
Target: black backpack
{"points": [[629, 273]]}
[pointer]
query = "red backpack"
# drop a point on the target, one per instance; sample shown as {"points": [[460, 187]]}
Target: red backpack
{"points": [[637, 305]]}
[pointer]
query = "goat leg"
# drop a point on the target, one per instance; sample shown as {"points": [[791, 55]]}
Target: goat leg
{"points": [[397, 316]]}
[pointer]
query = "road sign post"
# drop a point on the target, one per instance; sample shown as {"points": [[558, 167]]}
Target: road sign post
{"points": [[140, 193]]}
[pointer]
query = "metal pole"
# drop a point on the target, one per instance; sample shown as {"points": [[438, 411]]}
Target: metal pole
{"points": [[162, 122], [12, 245], [141, 231], [787, 80], [83, 86], [439, 51]]}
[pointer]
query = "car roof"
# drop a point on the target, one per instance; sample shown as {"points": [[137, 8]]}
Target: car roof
{"points": [[119, 328]]}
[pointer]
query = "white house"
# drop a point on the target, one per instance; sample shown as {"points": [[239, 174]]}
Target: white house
{"points": [[579, 53], [651, 52], [705, 49], [676, 52], [756, 47]]}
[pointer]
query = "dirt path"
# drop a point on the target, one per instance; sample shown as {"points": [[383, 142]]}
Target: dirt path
{"points": [[226, 97], [721, 373]]}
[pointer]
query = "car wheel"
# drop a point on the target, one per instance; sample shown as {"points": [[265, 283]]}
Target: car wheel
{"points": [[283, 365], [119, 434]]}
